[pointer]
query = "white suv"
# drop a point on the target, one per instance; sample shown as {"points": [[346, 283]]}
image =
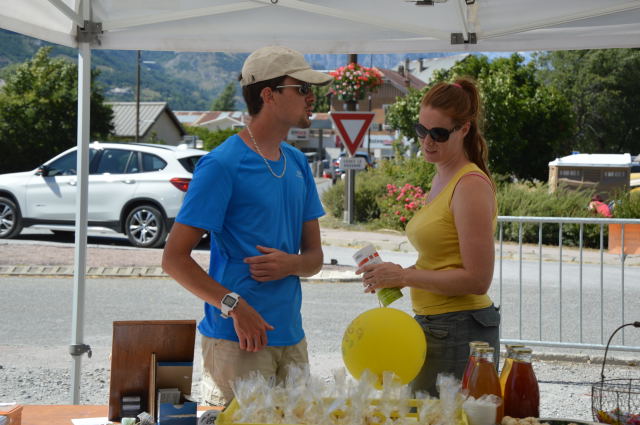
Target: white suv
{"points": [[134, 188]]}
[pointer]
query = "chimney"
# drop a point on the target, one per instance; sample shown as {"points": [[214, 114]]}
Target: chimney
{"points": [[421, 62], [401, 70]]}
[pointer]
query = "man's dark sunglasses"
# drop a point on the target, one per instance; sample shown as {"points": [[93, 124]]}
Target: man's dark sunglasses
{"points": [[438, 134], [304, 88]]}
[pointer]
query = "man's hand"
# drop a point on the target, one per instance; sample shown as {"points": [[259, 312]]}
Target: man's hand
{"points": [[250, 327], [273, 265]]}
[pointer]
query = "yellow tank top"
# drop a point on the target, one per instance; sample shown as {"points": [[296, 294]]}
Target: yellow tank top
{"points": [[432, 232]]}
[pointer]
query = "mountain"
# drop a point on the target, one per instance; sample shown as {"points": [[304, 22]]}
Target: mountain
{"points": [[186, 80]]}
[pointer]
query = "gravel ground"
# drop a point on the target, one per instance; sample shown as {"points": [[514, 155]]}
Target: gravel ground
{"points": [[564, 386]]}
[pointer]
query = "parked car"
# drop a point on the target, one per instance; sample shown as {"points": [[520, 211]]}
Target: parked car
{"points": [[340, 172], [134, 188]]}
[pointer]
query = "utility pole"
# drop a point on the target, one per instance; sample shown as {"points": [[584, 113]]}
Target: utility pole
{"points": [[138, 96]]}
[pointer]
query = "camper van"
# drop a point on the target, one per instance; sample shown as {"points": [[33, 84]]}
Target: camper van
{"points": [[604, 174]]}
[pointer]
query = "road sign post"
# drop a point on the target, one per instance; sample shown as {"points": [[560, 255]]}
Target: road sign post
{"points": [[352, 127]]}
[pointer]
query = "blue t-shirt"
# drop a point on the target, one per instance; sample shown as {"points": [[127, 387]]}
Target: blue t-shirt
{"points": [[235, 197]]}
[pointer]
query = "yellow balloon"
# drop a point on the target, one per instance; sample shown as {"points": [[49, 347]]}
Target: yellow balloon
{"points": [[384, 339]]}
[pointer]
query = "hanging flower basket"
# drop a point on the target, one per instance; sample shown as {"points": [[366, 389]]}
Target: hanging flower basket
{"points": [[350, 82]]}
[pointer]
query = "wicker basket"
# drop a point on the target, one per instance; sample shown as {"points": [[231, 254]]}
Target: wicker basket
{"points": [[616, 401]]}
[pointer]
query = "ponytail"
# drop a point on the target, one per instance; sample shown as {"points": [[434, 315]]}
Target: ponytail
{"points": [[461, 101]]}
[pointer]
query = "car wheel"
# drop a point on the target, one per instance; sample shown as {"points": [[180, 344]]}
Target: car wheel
{"points": [[145, 227], [10, 219]]}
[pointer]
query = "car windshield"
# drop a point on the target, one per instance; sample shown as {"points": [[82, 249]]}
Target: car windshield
{"points": [[189, 163]]}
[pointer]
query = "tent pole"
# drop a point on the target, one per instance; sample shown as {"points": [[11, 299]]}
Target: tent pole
{"points": [[77, 347]]}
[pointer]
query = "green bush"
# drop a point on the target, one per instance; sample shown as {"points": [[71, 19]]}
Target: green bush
{"points": [[400, 204], [534, 200], [371, 189], [211, 139], [369, 186], [627, 205], [374, 204], [333, 199]]}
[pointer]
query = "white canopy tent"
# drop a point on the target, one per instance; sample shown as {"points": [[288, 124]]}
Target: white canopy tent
{"points": [[332, 26], [310, 26]]}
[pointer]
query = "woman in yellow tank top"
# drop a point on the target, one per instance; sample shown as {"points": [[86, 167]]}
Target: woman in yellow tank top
{"points": [[453, 234]]}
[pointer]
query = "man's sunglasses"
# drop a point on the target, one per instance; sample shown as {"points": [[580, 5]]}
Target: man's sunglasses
{"points": [[304, 88], [438, 134]]}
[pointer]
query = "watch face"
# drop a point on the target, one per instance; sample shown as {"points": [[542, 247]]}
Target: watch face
{"points": [[229, 301]]}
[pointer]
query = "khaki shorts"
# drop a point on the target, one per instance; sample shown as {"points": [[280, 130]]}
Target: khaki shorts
{"points": [[223, 362]]}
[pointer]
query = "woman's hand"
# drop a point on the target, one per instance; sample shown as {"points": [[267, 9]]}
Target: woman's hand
{"points": [[383, 275]]}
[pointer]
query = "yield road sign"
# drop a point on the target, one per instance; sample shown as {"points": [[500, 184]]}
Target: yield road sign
{"points": [[352, 126]]}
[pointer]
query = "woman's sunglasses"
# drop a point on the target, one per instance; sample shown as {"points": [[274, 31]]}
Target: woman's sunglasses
{"points": [[304, 88], [438, 134]]}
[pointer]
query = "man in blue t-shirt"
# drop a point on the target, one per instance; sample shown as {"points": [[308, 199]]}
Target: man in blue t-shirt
{"points": [[256, 196]]}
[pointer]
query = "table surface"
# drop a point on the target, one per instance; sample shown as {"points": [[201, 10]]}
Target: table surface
{"points": [[62, 414]]}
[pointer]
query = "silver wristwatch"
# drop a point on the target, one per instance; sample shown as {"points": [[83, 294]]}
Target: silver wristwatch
{"points": [[228, 303]]}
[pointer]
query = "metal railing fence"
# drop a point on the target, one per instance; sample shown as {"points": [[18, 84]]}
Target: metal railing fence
{"points": [[572, 309]]}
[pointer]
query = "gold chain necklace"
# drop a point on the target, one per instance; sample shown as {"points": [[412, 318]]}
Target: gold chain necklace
{"points": [[284, 169]]}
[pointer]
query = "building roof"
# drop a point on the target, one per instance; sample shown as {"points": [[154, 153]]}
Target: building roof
{"points": [[208, 116], [188, 117], [423, 69], [594, 160], [124, 117], [398, 80]]}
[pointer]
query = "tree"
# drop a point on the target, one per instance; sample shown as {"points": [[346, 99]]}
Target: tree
{"points": [[226, 100], [323, 99], [403, 114], [38, 112], [603, 87], [526, 125], [211, 139]]}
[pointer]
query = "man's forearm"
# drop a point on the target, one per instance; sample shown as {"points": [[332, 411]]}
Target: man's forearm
{"points": [[308, 263]]}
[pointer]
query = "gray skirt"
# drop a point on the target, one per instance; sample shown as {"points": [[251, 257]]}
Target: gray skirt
{"points": [[448, 336]]}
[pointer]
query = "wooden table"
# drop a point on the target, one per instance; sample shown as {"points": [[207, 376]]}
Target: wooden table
{"points": [[62, 414]]}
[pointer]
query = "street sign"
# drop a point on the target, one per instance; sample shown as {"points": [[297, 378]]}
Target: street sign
{"points": [[352, 126], [352, 163]]}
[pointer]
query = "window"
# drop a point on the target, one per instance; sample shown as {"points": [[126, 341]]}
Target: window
{"points": [[66, 165], [189, 163], [569, 174], [152, 162], [615, 175], [114, 161]]}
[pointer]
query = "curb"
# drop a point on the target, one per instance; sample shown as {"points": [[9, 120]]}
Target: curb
{"points": [[68, 271]]}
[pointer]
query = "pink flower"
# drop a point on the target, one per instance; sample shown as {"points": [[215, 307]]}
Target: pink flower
{"points": [[403, 219]]}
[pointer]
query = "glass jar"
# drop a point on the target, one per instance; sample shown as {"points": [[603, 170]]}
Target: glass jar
{"points": [[484, 379], [472, 361], [506, 367], [521, 391]]}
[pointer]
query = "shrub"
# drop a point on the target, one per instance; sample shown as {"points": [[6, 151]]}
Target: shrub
{"points": [[400, 204], [371, 188], [534, 200], [627, 205], [211, 139]]}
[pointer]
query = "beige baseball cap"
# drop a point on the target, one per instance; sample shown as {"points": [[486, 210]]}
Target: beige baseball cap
{"points": [[275, 61]]}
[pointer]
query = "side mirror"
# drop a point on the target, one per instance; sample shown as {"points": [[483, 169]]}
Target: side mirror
{"points": [[43, 171]]}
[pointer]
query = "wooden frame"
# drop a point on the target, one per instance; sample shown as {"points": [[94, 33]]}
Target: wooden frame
{"points": [[132, 346]]}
